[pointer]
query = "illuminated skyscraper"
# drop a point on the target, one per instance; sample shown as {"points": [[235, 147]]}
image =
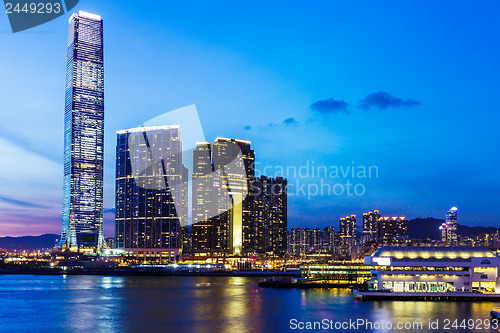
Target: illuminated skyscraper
{"points": [[296, 243], [204, 208], [317, 238], [370, 222], [233, 161], [329, 238], [222, 200], [268, 230], [151, 192], [83, 135], [348, 229], [449, 228]]}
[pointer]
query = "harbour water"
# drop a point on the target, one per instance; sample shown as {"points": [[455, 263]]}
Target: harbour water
{"points": [[83, 303]]}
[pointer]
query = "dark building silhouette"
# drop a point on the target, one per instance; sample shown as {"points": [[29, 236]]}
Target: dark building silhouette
{"points": [[329, 238], [392, 230]]}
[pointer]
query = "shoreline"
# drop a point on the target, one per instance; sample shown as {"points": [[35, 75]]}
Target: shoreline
{"points": [[258, 274]]}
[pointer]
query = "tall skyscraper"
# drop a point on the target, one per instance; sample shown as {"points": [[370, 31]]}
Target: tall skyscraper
{"points": [[268, 230], [329, 238], [308, 239], [449, 227], [296, 243], [83, 135], [151, 192], [222, 196], [451, 220], [204, 213], [233, 162], [348, 230], [370, 221], [317, 238]]}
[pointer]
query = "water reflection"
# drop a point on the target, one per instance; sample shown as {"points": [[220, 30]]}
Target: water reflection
{"points": [[197, 304]]}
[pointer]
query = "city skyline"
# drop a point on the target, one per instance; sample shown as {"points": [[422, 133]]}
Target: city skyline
{"points": [[250, 166], [417, 177]]}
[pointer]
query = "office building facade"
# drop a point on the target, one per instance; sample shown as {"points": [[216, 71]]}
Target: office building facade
{"points": [[83, 135], [405, 270], [151, 192], [268, 230], [222, 197]]}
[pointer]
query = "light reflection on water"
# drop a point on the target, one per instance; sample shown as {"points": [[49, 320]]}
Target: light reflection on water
{"points": [[196, 304]]}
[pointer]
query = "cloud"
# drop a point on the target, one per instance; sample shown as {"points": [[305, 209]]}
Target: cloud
{"points": [[329, 105], [247, 128], [108, 210], [289, 121], [20, 203], [383, 100]]}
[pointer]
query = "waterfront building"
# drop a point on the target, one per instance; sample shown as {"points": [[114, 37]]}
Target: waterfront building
{"points": [[151, 192], [341, 275], [433, 270], [186, 237], [223, 197], [300, 241], [268, 230], [204, 210], [83, 135]]}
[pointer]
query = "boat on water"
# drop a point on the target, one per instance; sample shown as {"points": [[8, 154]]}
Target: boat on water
{"points": [[323, 276], [495, 312]]}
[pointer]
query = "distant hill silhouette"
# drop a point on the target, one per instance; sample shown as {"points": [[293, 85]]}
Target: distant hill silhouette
{"points": [[29, 243], [429, 228]]}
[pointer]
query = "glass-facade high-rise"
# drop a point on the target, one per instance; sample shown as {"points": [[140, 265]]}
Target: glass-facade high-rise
{"points": [[268, 230], [151, 192], [222, 196], [449, 228], [83, 134]]}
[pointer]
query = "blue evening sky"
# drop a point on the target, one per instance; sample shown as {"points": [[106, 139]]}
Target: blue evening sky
{"points": [[409, 87]]}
